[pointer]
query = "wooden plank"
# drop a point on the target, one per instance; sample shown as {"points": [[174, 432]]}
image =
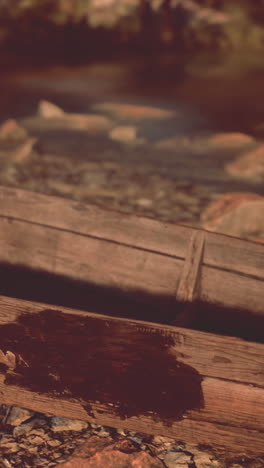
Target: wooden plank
{"points": [[236, 439], [132, 374], [116, 265], [88, 259], [220, 251], [187, 290], [212, 355], [232, 290]]}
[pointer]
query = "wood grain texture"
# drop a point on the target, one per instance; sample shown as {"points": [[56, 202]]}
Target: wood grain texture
{"points": [[168, 239], [212, 355], [232, 411], [187, 290], [192, 385], [236, 439], [88, 259], [117, 265]]}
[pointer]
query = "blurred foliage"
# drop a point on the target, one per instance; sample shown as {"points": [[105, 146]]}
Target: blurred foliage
{"points": [[245, 31], [82, 25]]}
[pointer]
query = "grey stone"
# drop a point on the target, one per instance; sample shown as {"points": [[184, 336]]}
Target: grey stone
{"points": [[103, 432], [59, 424], [18, 415], [160, 440], [177, 460], [204, 460], [137, 440], [24, 428]]}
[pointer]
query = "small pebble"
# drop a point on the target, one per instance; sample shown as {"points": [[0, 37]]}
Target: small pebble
{"points": [[177, 459], [24, 428], [136, 439], [103, 433], [53, 442], [59, 424], [17, 416], [122, 432]]}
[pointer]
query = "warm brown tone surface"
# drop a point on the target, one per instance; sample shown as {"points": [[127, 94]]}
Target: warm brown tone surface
{"points": [[112, 249], [155, 378], [77, 364]]}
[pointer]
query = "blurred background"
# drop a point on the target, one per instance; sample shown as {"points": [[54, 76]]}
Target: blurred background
{"points": [[149, 106], [79, 31], [161, 42]]}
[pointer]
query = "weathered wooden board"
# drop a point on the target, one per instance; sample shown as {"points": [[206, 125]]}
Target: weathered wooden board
{"points": [[234, 439], [160, 379], [126, 229], [124, 373], [129, 252]]}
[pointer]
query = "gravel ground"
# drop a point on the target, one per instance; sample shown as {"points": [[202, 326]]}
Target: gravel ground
{"points": [[46, 441], [132, 176]]}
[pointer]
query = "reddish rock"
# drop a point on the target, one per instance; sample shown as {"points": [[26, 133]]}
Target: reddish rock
{"points": [[93, 445], [125, 134], [23, 152], [248, 166], [8, 359], [227, 203], [90, 122], [230, 139], [48, 110], [11, 130], [98, 453], [55, 117], [129, 111], [19, 155], [236, 214], [208, 144]]}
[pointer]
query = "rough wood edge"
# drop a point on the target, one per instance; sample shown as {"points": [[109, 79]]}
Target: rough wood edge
{"points": [[218, 423], [239, 255], [225, 357], [187, 290], [235, 439], [215, 356], [100, 262]]}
